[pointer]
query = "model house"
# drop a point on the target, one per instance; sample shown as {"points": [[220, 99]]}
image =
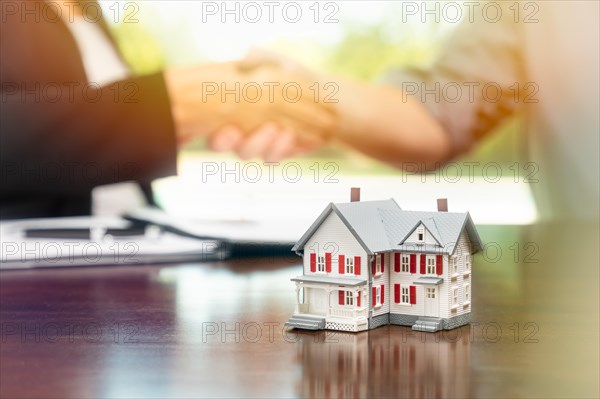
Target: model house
{"points": [[367, 264]]}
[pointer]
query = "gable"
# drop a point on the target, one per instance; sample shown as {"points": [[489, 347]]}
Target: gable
{"points": [[326, 216], [362, 219], [428, 237], [332, 235]]}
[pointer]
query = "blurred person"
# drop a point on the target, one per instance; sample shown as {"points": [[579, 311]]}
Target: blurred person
{"points": [[547, 68], [73, 117]]}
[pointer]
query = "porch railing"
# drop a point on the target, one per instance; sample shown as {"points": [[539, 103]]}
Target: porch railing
{"points": [[348, 313]]}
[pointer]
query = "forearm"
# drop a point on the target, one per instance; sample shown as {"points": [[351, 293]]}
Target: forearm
{"points": [[386, 124]]}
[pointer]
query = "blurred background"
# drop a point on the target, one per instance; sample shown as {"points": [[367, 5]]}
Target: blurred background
{"points": [[354, 38]]}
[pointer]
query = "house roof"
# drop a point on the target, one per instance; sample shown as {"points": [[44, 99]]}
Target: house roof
{"points": [[381, 226], [350, 282], [361, 218], [446, 228], [429, 280]]}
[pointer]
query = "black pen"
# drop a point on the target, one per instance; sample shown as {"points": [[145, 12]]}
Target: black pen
{"points": [[136, 229]]}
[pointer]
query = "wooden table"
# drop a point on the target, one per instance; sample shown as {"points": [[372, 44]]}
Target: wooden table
{"points": [[216, 330]]}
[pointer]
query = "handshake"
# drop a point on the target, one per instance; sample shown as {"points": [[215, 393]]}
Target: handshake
{"points": [[262, 106], [270, 107]]}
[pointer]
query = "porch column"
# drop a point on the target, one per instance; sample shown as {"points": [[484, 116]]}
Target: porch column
{"points": [[328, 301], [297, 309]]}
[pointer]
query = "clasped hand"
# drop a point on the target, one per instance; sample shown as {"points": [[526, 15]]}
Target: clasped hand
{"points": [[262, 106]]}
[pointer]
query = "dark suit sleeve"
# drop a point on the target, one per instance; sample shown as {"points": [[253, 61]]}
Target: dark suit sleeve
{"points": [[60, 135], [69, 137]]}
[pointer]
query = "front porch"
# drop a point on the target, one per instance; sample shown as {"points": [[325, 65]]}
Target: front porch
{"points": [[324, 302]]}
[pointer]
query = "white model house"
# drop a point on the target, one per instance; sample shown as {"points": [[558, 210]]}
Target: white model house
{"points": [[368, 264]]}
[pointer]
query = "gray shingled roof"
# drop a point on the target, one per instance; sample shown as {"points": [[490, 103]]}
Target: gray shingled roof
{"points": [[362, 219], [366, 220], [446, 227], [381, 226]]}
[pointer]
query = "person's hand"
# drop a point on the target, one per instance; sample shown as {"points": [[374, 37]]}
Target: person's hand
{"points": [[269, 142], [246, 102], [272, 141], [377, 120]]}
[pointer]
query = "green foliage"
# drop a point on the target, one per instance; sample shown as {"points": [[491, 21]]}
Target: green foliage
{"points": [[152, 43], [367, 53], [139, 48]]}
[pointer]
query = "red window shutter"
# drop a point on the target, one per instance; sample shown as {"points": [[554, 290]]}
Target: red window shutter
{"points": [[413, 295], [357, 265], [358, 299], [313, 262], [382, 291], [423, 262], [397, 262], [341, 297], [373, 263], [413, 263], [328, 262], [382, 262], [397, 293], [342, 264], [439, 265], [374, 291]]}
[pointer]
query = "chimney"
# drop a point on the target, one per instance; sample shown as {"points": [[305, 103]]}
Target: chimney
{"points": [[442, 204], [355, 194]]}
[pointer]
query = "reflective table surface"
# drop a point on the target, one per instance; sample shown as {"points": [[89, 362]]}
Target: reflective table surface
{"points": [[217, 330]]}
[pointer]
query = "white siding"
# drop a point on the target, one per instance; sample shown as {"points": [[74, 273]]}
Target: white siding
{"points": [[333, 236], [406, 280], [458, 280], [382, 279], [444, 290]]}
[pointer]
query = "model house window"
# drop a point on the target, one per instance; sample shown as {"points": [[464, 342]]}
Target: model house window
{"points": [[349, 298], [404, 298], [378, 263], [321, 263], [454, 296], [467, 292], [431, 293], [453, 265], [467, 262], [349, 265], [405, 263], [430, 265], [420, 234], [377, 295]]}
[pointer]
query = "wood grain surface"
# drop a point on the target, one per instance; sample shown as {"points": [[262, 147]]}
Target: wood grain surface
{"points": [[216, 330]]}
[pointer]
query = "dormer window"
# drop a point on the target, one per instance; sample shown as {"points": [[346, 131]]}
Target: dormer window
{"points": [[420, 234]]}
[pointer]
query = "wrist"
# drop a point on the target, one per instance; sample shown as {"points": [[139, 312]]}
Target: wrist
{"points": [[193, 114], [352, 110]]}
